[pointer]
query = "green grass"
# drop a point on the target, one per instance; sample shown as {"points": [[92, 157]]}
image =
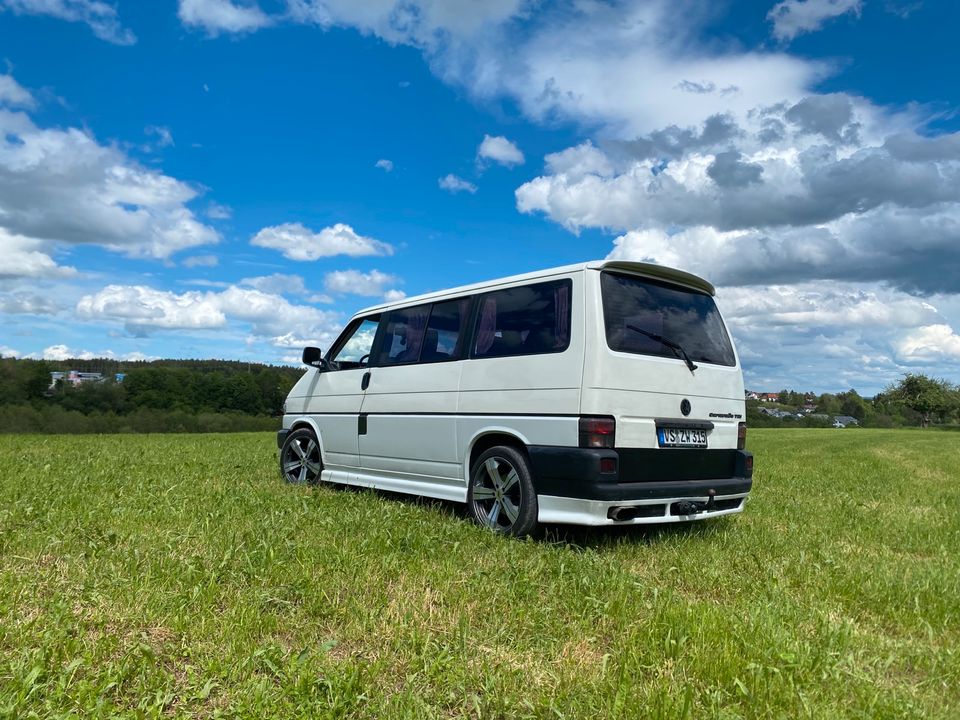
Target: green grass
{"points": [[176, 576]]}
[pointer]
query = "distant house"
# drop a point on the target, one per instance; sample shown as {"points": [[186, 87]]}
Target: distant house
{"points": [[774, 412], [74, 377], [769, 397], [842, 421], [751, 395]]}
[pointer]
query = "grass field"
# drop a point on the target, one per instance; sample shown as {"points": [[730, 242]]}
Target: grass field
{"points": [[159, 576]]}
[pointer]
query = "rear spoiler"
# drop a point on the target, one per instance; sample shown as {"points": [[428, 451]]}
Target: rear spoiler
{"points": [[659, 272]]}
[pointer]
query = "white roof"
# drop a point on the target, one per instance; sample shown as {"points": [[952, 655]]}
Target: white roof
{"points": [[659, 272]]}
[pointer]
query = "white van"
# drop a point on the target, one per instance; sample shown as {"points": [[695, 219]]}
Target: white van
{"points": [[605, 393]]}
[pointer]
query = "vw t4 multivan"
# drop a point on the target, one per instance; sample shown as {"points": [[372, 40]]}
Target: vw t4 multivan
{"points": [[606, 393]]}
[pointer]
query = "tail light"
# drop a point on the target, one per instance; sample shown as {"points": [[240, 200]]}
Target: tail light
{"points": [[741, 436], [598, 432]]}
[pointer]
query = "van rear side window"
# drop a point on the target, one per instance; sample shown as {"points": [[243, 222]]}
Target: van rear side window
{"points": [[645, 317], [526, 320]]}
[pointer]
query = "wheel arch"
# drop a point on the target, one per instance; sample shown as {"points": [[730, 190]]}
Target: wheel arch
{"points": [[310, 424], [487, 438]]}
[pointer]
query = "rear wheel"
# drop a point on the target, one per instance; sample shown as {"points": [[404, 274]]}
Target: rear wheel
{"points": [[501, 496], [300, 462]]}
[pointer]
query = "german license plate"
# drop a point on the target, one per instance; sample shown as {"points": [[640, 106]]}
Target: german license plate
{"points": [[681, 437]]}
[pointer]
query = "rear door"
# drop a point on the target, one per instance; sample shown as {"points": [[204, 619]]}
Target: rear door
{"points": [[661, 358]]}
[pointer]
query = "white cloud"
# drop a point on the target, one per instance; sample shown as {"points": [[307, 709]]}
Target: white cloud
{"points": [[454, 184], [930, 343], [99, 15], [13, 94], [217, 16], [499, 150], [385, 165], [826, 336], [629, 66], [579, 161], [369, 284], [795, 17], [26, 303], [162, 134], [200, 261], [828, 187], [28, 258], [62, 186], [216, 211], [143, 310], [422, 23], [297, 242], [62, 352], [8, 352], [277, 284]]}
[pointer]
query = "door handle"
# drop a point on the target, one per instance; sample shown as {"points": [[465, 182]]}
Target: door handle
{"points": [[365, 382]]}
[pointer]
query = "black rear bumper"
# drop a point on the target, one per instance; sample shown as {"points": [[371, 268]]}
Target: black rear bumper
{"points": [[639, 473]]}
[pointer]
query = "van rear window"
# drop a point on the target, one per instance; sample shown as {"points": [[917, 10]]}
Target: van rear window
{"points": [[645, 317]]}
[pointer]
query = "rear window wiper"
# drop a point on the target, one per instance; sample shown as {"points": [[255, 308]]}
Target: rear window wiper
{"points": [[680, 352]]}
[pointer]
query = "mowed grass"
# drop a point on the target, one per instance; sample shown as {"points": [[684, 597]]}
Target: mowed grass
{"points": [[177, 576]]}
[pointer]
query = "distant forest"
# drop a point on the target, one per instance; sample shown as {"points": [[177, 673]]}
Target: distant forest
{"points": [[156, 396]]}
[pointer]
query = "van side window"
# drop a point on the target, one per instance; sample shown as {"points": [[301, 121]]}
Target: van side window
{"points": [[527, 320], [444, 337], [352, 349], [403, 334]]}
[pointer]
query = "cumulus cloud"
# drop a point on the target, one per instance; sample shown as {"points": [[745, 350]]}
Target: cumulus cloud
{"points": [[143, 310], [454, 184], [795, 17], [8, 352], [827, 336], [370, 284], [62, 186], [930, 343], [223, 16], [845, 193], [385, 165], [64, 352], [99, 15], [499, 150], [297, 242], [25, 257]]}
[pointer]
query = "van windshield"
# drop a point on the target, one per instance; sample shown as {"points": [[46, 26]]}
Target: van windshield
{"points": [[648, 317]]}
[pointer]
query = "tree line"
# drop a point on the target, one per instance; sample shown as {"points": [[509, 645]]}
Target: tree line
{"points": [[915, 400], [157, 396]]}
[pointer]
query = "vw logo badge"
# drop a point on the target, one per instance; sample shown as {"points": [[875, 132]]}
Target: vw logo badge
{"points": [[685, 407]]}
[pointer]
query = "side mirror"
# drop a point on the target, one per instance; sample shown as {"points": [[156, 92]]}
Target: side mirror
{"points": [[314, 357]]}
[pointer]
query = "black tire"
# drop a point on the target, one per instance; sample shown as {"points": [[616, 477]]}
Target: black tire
{"points": [[300, 462], [501, 495]]}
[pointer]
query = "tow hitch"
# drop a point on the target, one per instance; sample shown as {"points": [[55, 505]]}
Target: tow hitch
{"points": [[693, 507]]}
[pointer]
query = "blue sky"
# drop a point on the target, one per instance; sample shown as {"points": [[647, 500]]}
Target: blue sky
{"points": [[207, 178]]}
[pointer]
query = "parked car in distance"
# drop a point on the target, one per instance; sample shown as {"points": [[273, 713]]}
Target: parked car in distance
{"points": [[604, 393]]}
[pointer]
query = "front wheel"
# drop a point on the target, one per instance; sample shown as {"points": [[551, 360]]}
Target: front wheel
{"points": [[300, 462], [501, 495]]}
